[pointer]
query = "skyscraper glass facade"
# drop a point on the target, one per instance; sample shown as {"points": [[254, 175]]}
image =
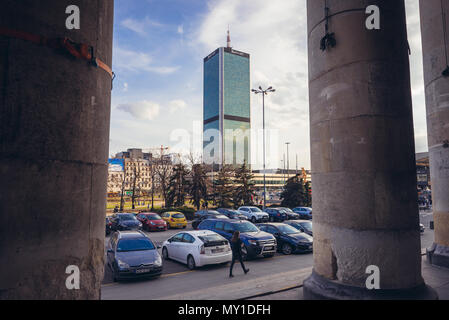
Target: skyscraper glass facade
{"points": [[226, 107]]}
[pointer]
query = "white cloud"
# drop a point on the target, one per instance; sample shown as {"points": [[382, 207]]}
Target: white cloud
{"points": [[140, 26], [181, 29], [133, 61], [177, 105], [143, 110], [417, 75], [125, 87]]}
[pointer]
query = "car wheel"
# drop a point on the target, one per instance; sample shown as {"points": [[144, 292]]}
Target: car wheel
{"points": [[287, 249], [244, 253], [253, 219], [165, 253], [190, 262]]}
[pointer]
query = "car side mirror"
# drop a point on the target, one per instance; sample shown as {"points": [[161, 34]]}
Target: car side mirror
{"points": [[169, 240], [110, 251], [158, 246]]}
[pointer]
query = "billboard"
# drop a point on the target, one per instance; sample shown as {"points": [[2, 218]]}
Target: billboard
{"points": [[116, 165]]}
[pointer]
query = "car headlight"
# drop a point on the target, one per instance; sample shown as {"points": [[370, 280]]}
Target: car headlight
{"points": [[253, 242], [152, 223], [122, 265], [158, 261]]}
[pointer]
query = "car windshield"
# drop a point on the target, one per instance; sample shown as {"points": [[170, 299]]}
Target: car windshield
{"points": [[286, 209], [134, 245], [255, 209], [286, 229], [306, 225], [127, 217], [245, 227], [213, 212], [154, 217], [178, 215]]}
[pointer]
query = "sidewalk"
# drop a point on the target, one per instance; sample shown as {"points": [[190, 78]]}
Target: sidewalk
{"points": [[435, 277]]}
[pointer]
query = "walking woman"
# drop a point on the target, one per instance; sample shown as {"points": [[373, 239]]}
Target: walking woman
{"points": [[236, 246]]}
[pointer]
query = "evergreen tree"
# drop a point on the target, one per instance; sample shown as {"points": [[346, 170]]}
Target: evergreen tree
{"points": [[308, 197], [198, 185], [224, 187], [294, 193], [177, 186], [245, 190]]}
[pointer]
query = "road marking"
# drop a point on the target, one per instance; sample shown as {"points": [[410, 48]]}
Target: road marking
{"points": [[176, 273], [109, 284]]}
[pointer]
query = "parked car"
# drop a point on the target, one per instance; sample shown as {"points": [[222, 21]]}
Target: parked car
{"points": [[197, 221], [291, 215], [289, 239], [132, 254], [197, 248], [152, 221], [232, 214], [421, 228], [256, 243], [174, 219], [304, 212], [201, 213], [276, 214], [301, 225], [108, 226], [254, 214], [125, 221]]}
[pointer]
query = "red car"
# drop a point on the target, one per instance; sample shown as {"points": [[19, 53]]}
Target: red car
{"points": [[151, 221]]}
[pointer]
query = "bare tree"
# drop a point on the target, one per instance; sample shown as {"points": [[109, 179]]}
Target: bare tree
{"points": [[135, 186], [118, 180], [162, 168]]}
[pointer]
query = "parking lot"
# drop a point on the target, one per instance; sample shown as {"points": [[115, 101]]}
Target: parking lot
{"points": [[212, 282]]}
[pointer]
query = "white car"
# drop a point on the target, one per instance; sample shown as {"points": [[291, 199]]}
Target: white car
{"points": [[197, 248], [254, 214]]}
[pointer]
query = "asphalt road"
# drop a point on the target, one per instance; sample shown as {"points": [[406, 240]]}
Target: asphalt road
{"points": [[428, 236], [266, 274]]}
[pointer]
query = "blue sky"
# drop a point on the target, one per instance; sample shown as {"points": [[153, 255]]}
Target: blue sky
{"points": [[159, 46]]}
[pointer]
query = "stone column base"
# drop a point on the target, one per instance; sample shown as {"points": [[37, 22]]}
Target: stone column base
{"points": [[438, 255], [317, 287]]}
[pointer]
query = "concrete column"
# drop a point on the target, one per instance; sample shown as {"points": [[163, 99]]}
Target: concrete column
{"points": [[435, 48], [54, 137], [363, 155]]}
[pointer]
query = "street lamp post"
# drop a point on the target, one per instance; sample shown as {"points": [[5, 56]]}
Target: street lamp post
{"points": [[264, 93]]}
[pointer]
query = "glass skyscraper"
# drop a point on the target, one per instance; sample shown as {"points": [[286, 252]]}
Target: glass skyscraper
{"points": [[226, 109]]}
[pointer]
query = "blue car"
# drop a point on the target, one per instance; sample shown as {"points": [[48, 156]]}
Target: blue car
{"points": [[304, 212], [131, 254], [276, 214], [256, 243], [290, 240]]}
